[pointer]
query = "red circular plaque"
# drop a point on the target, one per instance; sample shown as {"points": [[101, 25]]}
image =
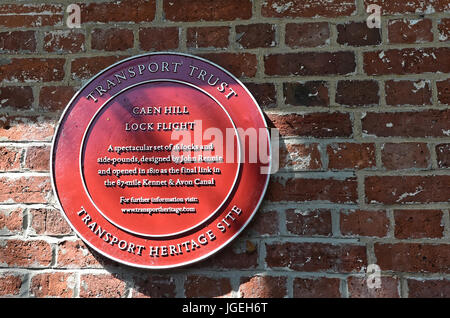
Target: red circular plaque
{"points": [[161, 160]]}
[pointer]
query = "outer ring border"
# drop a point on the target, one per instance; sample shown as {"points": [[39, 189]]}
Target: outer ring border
{"points": [[233, 186], [196, 260]]}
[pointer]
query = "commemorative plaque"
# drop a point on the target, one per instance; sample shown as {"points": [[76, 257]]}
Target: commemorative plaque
{"points": [[160, 160]]}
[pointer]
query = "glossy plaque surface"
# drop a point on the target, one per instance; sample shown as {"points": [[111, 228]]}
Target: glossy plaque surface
{"points": [[159, 160]]}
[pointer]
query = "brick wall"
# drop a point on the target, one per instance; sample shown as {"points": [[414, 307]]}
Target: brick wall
{"points": [[365, 150]]}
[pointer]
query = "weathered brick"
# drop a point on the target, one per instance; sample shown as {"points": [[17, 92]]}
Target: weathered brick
{"points": [[159, 38], [19, 97], [86, 67], [58, 284], [119, 11], [31, 15], [38, 158], [251, 36], [418, 224], [11, 221], [444, 30], [239, 64], [407, 189], [113, 39], [17, 41], [264, 93], [310, 63], [405, 155], [308, 8], [263, 287], [239, 255], [55, 98], [443, 88], [429, 288], [358, 34], [154, 286], [316, 257], [30, 253], [264, 224], [319, 125], [10, 158], [10, 284], [32, 70], [209, 10], [26, 128], [358, 288], [309, 223], [300, 157], [64, 41], [407, 61], [303, 190], [320, 287], [49, 222], [314, 93], [197, 286], [431, 123], [413, 257], [357, 93], [33, 189], [205, 37], [413, 6], [443, 155], [351, 156], [408, 92], [312, 34], [75, 254], [410, 31], [364, 223], [101, 286]]}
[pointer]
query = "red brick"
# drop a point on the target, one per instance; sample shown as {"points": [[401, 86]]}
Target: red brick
{"points": [[239, 64], [431, 123], [413, 257], [49, 222], [310, 63], [207, 37], [405, 155], [309, 223], [17, 41], [263, 287], [316, 257], [20, 97], [410, 31], [32, 70], [64, 41], [55, 98], [264, 93], [319, 125], [314, 93], [407, 189], [31, 15], [408, 92], [358, 288], [300, 157], [101, 286], [209, 10], [307, 34], [17, 253], [11, 221], [10, 284], [308, 8], [364, 223], [358, 34], [59, 285], [119, 11], [418, 224], [75, 254], [251, 36], [351, 156], [38, 158], [407, 61], [159, 38], [430, 288], [10, 158], [206, 287], [443, 155], [86, 67], [357, 93], [413, 6], [443, 88], [264, 224], [112, 39], [320, 287], [154, 286], [33, 189], [444, 30], [303, 190], [240, 255], [26, 128]]}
